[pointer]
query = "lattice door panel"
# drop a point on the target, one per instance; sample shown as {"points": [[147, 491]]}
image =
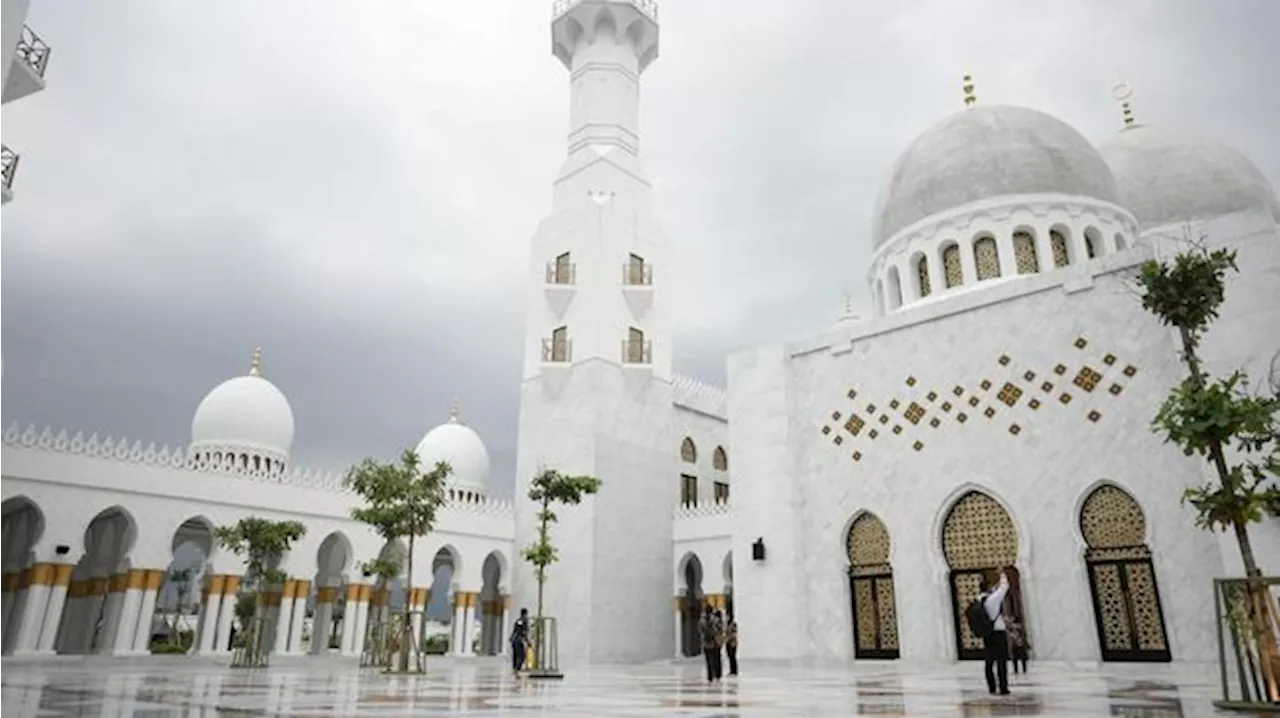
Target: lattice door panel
{"points": [[1126, 609], [875, 618], [964, 590]]}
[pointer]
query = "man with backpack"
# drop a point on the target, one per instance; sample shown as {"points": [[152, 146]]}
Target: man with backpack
{"points": [[986, 620]]}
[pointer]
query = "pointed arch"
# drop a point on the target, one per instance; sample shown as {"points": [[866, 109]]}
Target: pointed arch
{"points": [[986, 257], [688, 451], [921, 265], [1025, 257], [871, 589], [952, 271], [1060, 245], [719, 459]]}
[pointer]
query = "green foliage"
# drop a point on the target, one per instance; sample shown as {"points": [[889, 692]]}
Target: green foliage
{"points": [[436, 645], [400, 499], [1205, 416], [169, 649], [246, 606], [262, 542], [548, 487], [385, 569]]}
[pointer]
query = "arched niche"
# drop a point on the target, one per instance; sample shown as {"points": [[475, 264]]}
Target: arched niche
{"points": [[979, 539], [871, 589]]}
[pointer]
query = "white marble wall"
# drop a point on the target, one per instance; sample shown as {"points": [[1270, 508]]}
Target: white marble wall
{"points": [[708, 433], [798, 489]]}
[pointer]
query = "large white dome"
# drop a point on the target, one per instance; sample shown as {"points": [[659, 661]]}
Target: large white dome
{"points": [[1168, 177], [462, 447], [247, 412], [986, 152]]}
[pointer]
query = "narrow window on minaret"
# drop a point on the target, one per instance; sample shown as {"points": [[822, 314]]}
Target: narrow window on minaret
{"points": [[637, 273], [688, 490], [560, 344], [636, 350], [563, 272]]}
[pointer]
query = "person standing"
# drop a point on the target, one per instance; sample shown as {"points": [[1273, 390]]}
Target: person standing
{"points": [[731, 643], [519, 641], [995, 638], [1018, 644], [710, 631]]}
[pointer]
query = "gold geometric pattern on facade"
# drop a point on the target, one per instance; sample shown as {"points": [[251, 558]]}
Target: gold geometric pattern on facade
{"points": [[934, 422], [1094, 415], [871, 408], [873, 434], [1034, 404], [962, 417], [868, 542], [987, 258], [922, 276], [1009, 394], [838, 440], [1065, 398], [1081, 343], [854, 424], [1015, 429], [1060, 369], [1130, 370], [1146, 609], [958, 391], [914, 413], [1109, 359], [946, 406], [853, 394], [884, 419], [1024, 253], [973, 401], [857, 456], [866, 618], [835, 416], [988, 412], [1087, 378], [978, 533], [888, 615], [1003, 360], [826, 430], [952, 273], [1109, 602], [894, 404], [1115, 389], [1029, 375], [1058, 244], [986, 384], [1110, 518], [918, 445], [911, 381], [1046, 387], [931, 395], [897, 428]]}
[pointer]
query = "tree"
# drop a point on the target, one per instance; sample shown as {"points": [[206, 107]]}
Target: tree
{"points": [[400, 501], [262, 543], [548, 487], [1205, 417], [181, 581]]}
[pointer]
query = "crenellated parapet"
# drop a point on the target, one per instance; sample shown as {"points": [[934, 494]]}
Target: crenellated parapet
{"points": [[700, 511], [698, 396]]}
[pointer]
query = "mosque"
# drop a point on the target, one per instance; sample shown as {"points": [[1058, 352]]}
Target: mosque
{"points": [[993, 412]]}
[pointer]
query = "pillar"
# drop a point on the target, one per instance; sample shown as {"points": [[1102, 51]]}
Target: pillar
{"points": [[230, 590], [284, 616], [349, 619], [30, 609], [676, 611], [968, 267], [504, 644], [457, 629], [9, 582], [301, 590], [210, 606], [147, 612], [322, 626], [135, 581], [362, 619], [417, 602], [61, 580]]}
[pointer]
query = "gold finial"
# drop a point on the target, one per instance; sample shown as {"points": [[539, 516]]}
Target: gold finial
{"points": [[1122, 92], [970, 99], [255, 369], [455, 411]]}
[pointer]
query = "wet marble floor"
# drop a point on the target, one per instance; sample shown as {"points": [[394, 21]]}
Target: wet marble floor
{"points": [[198, 688]]}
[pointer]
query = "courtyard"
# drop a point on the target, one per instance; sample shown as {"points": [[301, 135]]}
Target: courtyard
{"points": [[199, 688]]}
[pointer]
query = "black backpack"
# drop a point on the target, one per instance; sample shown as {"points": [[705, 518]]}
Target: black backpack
{"points": [[979, 622]]}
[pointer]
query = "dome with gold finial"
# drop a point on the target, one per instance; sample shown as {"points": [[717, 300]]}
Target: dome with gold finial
{"points": [[1170, 177], [984, 152], [459, 445], [245, 421]]}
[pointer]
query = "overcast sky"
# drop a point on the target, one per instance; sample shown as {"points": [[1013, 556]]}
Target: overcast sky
{"points": [[353, 185]]}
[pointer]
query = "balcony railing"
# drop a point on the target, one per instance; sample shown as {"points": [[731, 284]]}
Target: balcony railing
{"points": [[637, 352], [9, 158], [33, 51], [562, 273], [557, 351], [648, 7], [637, 275]]}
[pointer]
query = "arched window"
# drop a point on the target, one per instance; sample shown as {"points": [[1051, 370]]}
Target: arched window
{"points": [[1061, 252], [880, 297], [952, 274], [986, 257], [922, 276], [895, 289], [1120, 243], [1024, 252], [719, 460], [688, 452], [1093, 244]]}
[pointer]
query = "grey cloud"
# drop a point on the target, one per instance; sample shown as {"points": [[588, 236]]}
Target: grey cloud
{"points": [[353, 186]]}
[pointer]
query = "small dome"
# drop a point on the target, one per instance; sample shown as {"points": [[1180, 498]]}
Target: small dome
{"points": [[986, 152], [247, 412], [462, 448], [1168, 177]]}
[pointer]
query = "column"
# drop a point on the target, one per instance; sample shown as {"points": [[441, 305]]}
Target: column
{"points": [[147, 612], [34, 590], [504, 644], [116, 586], [70, 612], [284, 616], [361, 620], [210, 605], [937, 277], [1004, 247], [456, 628], [230, 590], [679, 619], [134, 584], [53, 609], [301, 590], [1044, 251], [10, 585], [322, 626], [1079, 251], [417, 603], [968, 269], [349, 619]]}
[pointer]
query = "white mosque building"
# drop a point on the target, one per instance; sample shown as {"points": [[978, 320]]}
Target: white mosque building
{"points": [[995, 411]]}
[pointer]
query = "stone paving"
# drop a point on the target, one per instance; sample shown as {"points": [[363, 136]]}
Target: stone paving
{"points": [[172, 687]]}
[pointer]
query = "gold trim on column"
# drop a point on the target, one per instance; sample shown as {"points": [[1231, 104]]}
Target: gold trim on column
{"points": [[137, 579], [302, 590], [76, 589], [118, 583], [506, 602], [24, 579], [290, 591], [10, 582], [213, 585], [365, 590], [353, 592], [326, 594], [232, 585], [271, 599], [41, 574], [97, 586], [155, 577], [62, 574]]}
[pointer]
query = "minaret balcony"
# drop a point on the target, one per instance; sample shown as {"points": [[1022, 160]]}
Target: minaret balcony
{"points": [[26, 76], [560, 285], [9, 159], [648, 7], [637, 287], [557, 351], [637, 352]]}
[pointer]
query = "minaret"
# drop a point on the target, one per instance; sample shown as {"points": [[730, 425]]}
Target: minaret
{"points": [[596, 394]]}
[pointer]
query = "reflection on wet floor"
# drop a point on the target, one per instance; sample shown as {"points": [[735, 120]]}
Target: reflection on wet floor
{"points": [[193, 688]]}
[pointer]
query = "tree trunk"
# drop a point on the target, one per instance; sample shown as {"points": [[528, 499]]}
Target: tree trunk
{"points": [[406, 629]]}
